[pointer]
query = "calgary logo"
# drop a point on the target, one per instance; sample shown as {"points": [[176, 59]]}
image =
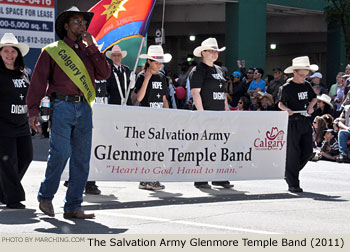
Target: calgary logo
{"points": [[272, 141]]}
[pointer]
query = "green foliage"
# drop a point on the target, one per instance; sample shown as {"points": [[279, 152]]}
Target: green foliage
{"points": [[338, 12]]}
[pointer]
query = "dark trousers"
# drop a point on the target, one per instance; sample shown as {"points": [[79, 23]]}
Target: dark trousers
{"points": [[299, 148], [15, 157]]}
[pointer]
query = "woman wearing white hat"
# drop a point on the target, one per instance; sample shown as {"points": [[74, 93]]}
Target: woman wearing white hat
{"points": [[324, 105], [16, 151], [151, 89], [298, 99], [208, 86]]}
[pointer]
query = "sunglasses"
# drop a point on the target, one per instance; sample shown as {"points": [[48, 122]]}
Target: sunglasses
{"points": [[78, 21], [314, 122], [240, 102], [302, 75]]}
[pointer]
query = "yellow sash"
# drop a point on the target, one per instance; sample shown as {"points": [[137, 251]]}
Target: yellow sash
{"points": [[73, 67]]}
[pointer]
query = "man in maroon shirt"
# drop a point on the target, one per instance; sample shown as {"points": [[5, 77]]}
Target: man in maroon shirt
{"points": [[71, 128]]}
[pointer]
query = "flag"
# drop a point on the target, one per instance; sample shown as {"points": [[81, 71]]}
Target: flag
{"points": [[116, 20]]}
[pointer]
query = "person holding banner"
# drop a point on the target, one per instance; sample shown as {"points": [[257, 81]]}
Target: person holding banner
{"points": [[66, 71], [16, 150], [121, 78], [208, 86], [298, 99], [151, 90]]}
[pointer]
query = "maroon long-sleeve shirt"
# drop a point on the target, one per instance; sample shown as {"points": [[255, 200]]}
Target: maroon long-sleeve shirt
{"points": [[49, 78]]}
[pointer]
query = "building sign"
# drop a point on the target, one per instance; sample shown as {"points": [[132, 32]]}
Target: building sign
{"points": [[144, 144], [31, 21]]}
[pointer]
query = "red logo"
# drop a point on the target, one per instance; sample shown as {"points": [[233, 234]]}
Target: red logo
{"points": [[272, 141], [274, 133]]}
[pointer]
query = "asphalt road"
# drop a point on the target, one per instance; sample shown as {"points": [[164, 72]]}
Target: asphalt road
{"points": [[251, 207]]}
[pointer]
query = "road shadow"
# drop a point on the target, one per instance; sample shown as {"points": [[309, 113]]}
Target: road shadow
{"points": [[220, 195], [77, 226], [16, 217], [99, 198]]}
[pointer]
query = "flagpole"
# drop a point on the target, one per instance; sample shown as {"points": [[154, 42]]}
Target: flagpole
{"points": [[138, 54], [134, 71]]}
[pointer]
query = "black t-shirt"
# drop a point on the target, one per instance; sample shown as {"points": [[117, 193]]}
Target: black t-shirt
{"points": [[156, 89], [212, 84], [297, 96], [13, 108]]}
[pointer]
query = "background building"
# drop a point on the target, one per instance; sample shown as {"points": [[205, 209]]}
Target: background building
{"points": [[247, 28]]}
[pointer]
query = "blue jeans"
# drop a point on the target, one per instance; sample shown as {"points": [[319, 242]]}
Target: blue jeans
{"points": [[343, 137], [70, 137]]}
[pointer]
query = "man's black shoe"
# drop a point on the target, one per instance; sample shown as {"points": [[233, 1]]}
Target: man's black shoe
{"points": [[16, 205], [295, 189], [224, 184], [202, 185], [93, 189]]}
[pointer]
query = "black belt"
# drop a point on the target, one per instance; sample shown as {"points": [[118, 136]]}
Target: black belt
{"points": [[298, 118], [69, 98]]}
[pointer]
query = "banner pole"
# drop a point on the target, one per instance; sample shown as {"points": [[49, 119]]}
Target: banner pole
{"points": [[134, 70]]}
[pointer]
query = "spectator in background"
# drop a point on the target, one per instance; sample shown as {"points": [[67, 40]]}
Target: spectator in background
{"points": [[329, 119], [324, 105], [343, 123], [347, 69], [235, 88], [257, 84], [346, 79], [338, 82], [268, 78], [243, 104], [329, 149], [255, 102], [316, 80], [247, 76], [266, 102], [189, 98], [319, 126], [274, 86], [185, 71], [317, 89]]}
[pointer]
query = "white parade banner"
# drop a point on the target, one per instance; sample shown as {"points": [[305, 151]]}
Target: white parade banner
{"points": [[146, 144]]}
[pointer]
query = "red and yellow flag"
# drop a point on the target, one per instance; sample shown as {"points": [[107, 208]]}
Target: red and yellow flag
{"points": [[115, 20]]}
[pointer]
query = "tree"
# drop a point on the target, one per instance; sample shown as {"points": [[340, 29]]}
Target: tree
{"points": [[338, 12]]}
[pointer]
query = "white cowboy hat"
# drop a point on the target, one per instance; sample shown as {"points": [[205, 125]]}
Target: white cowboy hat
{"points": [[300, 63], [64, 18], [208, 44], [10, 40], [116, 49], [155, 52], [326, 99]]}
